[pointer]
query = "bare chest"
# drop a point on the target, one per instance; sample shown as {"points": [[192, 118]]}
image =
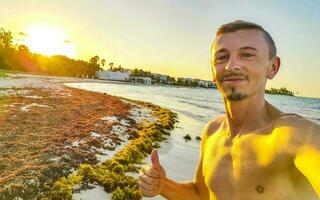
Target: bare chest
{"points": [[254, 165]]}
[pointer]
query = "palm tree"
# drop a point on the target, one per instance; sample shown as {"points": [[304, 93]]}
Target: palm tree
{"points": [[102, 62], [94, 60], [111, 65]]}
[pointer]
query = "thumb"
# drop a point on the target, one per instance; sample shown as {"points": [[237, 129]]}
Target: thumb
{"points": [[155, 160]]}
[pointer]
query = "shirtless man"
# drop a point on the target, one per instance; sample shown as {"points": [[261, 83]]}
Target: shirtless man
{"points": [[255, 151]]}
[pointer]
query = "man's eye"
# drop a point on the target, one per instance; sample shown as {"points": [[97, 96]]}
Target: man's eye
{"points": [[246, 55], [220, 59]]}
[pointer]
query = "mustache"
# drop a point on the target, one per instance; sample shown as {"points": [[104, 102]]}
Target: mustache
{"points": [[234, 75]]}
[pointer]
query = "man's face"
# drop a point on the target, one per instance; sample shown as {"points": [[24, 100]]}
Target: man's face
{"points": [[241, 64]]}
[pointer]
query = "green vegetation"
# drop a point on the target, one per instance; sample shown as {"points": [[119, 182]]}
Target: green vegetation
{"points": [[111, 174], [2, 74], [4, 100], [282, 91], [15, 57], [19, 57], [167, 80]]}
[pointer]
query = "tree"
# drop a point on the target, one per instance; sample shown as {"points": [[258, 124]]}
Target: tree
{"points": [[111, 65], [19, 57], [5, 39], [282, 90], [24, 60], [171, 80], [94, 66], [24, 50], [135, 72], [6, 49], [102, 62], [94, 60]]}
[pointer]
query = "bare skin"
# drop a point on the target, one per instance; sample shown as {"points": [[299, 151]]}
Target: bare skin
{"points": [[261, 164], [255, 151]]}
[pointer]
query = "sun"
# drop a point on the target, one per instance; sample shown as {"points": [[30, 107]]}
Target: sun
{"points": [[48, 40]]}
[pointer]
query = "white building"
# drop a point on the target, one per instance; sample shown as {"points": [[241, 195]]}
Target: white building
{"points": [[162, 77], [116, 76], [207, 84], [140, 79]]}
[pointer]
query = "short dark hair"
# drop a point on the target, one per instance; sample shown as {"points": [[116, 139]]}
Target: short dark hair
{"points": [[243, 25]]}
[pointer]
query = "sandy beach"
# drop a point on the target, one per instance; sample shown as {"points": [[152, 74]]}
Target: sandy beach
{"points": [[49, 131]]}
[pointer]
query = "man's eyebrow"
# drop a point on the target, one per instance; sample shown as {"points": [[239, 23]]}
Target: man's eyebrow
{"points": [[223, 50], [248, 48]]}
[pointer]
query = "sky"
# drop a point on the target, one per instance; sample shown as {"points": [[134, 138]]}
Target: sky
{"points": [[174, 36]]}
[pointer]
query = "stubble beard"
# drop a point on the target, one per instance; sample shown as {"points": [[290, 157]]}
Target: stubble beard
{"points": [[233, 95], [236, 96]]}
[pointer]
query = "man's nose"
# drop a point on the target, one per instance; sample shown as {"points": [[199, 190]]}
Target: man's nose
{"points": [[233, 64]]}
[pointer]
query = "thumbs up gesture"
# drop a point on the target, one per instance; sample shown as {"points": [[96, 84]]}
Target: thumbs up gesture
{"points": [[152, 177]]}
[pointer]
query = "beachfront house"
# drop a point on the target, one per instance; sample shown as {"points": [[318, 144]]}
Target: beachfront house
{"points": [[206, 84], [162, 78], [140, 79], [113, 75]]}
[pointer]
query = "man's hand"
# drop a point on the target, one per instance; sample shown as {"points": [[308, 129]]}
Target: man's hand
{"points": [[152, 178]]}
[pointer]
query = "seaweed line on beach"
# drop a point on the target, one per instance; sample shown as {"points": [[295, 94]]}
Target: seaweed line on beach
{"points": [[52, 138], [111, 174], [39, 132]]}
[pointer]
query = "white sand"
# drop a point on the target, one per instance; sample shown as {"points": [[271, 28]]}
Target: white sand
{"points": [[110, 119], [27, 107], [96, 135], [175, 156], [93, 194], [33, 96], [140, 114]]}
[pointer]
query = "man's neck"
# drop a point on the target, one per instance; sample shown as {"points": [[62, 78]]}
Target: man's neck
{"points": [[246, 115]]}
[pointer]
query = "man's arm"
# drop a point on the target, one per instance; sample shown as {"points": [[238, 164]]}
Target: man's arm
{"points": [[184, 191], [195, 190], [153, 180], [307, 159]]}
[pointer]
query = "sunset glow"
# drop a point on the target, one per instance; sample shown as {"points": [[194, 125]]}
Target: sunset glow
{"points": [[48, 40], [167, 37]]}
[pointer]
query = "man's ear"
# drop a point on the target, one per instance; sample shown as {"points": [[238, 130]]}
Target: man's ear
{"points": [[276, 62]]}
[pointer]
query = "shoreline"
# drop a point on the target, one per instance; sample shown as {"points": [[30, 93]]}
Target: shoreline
{"points": [[38, 104]]}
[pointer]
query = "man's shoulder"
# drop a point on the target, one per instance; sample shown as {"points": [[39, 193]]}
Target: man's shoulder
{"points": [[210, 128], [302, 128], [213, 125], [295, 121]]}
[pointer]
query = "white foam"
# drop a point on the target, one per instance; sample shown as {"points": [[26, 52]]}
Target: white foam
{"points": [[75, 143], [27, 107], [96, 135], [118, 130], [105, 154], [33, 97], [110, 119], [142, 115], [124, 122]]}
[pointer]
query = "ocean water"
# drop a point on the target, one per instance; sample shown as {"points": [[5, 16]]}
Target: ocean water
{"points": [[199, 104], [195, 107]]}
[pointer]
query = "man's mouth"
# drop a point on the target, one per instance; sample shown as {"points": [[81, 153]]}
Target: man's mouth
{"points": [[233, 79]]}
